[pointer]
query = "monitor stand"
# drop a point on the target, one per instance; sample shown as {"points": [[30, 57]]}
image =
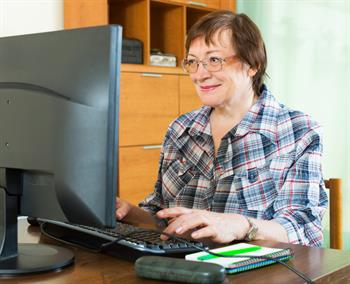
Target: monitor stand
{"points": [[21, 259]]}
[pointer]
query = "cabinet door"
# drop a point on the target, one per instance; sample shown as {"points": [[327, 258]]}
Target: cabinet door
{"points": [[148, 103], [138, 170], [188, 97]]}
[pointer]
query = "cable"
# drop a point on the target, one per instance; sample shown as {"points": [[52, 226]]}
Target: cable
{"points": [[291, 268], [105, 246]]}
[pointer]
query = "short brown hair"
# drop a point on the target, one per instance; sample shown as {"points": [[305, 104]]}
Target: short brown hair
{"points": [[246, 39]]}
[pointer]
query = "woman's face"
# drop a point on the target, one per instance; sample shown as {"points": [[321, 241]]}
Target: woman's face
{"points": [[230, 86]]}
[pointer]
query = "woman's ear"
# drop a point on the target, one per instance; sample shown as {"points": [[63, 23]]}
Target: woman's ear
{"points": [[252, 72]]}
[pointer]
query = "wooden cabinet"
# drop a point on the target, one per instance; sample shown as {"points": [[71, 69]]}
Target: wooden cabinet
{"points": [[85, 13], [145, 112], [150, 97], [149, 101], [137, 172], [188, 97], [158, 24], [214, 4], [167, 30]]}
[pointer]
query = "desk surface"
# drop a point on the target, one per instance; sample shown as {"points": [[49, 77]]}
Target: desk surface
{"points": [[321, 265]]}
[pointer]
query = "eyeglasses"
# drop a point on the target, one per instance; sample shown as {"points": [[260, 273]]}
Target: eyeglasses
{"points": [[211, 64]]}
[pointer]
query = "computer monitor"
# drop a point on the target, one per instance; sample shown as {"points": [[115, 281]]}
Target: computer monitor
{"points": [[59, 102]]}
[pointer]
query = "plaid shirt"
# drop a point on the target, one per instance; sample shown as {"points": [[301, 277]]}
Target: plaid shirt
{"points": [[267, 167]]}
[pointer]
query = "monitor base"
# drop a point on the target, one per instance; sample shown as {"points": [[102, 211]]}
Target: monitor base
{"points": [[36, 258]]}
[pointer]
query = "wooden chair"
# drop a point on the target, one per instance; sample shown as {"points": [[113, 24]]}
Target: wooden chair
{"points": [[335, 212]]}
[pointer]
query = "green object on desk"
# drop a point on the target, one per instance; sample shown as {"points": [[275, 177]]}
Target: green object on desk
{"points": [[229, 253]]}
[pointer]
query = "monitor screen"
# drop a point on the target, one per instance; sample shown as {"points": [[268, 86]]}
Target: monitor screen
{"points": [[59, 101]]}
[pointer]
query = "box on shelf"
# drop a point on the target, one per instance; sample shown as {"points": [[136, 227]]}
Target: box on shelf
{"points": [[162, 59], [132, 51]]}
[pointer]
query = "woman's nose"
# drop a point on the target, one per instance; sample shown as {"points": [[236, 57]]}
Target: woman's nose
{"points": [[202, 72]]}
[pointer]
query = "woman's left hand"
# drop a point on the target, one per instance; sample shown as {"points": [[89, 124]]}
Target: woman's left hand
{"points": [[218, 227]]}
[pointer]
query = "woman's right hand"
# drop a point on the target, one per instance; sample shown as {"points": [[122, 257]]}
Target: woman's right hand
{"points": [[133, 214], [123, 208]]}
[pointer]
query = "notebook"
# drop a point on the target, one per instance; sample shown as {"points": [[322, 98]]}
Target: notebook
{"points": [[238, 264]]}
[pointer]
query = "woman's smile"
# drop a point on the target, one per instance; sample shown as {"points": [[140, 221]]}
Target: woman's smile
{"points": [[209, 88]]}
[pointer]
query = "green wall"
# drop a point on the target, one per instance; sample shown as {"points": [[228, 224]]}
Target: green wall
{"points": [[308, 47]]}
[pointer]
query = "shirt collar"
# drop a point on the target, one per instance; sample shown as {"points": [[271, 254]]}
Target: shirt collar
{"points": [[201, 123], [196, 125], [261, 118]]}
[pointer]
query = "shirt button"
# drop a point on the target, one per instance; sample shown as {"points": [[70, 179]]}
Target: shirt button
{"points": [[252, 175], [200, 139]]}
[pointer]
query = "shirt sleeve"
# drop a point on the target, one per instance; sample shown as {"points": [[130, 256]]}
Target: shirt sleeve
{"points": [[302, 200]]}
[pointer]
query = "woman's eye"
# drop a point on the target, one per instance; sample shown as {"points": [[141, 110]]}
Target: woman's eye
{"points": [[215, 60], [191, 62]]}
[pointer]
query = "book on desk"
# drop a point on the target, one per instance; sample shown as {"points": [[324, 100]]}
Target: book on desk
{"points": [[244, 256]]}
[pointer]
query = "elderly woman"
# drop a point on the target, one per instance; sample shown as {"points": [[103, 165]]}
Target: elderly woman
{"points": [[243, 166]]}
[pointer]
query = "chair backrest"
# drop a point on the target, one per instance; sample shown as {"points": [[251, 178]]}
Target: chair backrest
{"points": [[335, 212]]}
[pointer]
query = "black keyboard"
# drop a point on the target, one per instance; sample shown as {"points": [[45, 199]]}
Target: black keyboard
{"points": [[125, 241]]}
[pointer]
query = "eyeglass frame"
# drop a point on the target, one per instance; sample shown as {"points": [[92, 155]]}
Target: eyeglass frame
{"points": [[205, 63]]}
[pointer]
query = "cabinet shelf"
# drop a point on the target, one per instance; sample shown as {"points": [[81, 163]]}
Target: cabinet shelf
{"points": [[167, 27], [151, 69]]}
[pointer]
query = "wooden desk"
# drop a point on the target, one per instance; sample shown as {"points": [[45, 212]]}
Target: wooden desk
{"points": [[322, 265]]}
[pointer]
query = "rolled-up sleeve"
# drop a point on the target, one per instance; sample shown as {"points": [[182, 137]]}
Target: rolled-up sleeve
{"points": [[302, 200]]}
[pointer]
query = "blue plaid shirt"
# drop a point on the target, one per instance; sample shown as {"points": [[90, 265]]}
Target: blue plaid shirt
{"points": [[267, 167]]}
